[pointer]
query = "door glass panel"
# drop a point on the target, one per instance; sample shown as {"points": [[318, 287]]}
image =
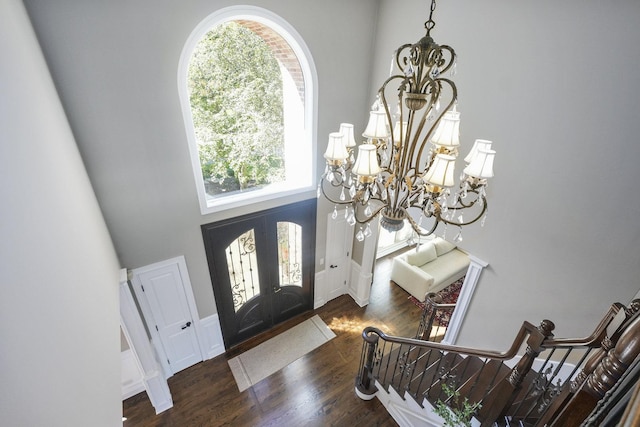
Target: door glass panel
{"points": [[243, 269], [290, 253]]}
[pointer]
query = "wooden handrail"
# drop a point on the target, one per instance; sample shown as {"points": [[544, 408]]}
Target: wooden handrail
{"points": [[393, 361]]}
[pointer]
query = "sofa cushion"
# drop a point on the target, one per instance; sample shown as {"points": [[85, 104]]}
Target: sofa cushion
{"points": [[443, 246], [425, 253]]}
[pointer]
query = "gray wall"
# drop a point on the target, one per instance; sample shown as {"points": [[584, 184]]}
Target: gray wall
{"points": [[115, 66], [555, 85], [59, 322]]}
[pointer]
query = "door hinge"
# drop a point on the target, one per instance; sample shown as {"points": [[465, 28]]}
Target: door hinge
{"points": [[142, 286], [157, 328]]}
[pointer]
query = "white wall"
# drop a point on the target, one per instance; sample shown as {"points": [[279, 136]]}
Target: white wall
{"points": [[59, 317], [555, 85], [115, 65]]}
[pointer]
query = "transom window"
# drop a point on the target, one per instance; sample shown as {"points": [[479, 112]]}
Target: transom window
{"points": [[246, 85]]}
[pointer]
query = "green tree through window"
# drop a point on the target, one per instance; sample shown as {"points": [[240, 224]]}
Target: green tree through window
{"points": [[236, 95]]}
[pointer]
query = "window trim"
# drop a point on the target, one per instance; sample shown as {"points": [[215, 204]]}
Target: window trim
{"points": [[309, 74]]}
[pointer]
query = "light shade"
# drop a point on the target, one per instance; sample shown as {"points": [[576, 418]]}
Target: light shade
{"points": [[441, 171], [477, 145], [346, 129], [367, 161], [482, 164], [396, 131], [447, 133], [336, 150], [377, 127]]}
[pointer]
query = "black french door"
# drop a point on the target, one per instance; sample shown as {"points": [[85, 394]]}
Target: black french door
{"points": [[261, 268]]}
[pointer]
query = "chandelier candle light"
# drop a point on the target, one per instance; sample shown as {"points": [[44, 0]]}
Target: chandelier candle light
{"points": [[397, 173]]}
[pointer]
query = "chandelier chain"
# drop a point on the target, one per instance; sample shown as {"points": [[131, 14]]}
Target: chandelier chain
{"points": [[430, 22]]}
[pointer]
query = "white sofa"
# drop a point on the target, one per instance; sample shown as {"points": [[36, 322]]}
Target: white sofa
{"points": [[431, 267]]}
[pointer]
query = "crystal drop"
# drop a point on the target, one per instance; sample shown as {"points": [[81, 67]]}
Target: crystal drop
{"points": [[444, 232], [374, 190], [410, 241], [366, 196], [437, 106], [458, 237], [464, 193], [460, 219], [319, 192], [351, 220], [331, 177], [342, 195], [384, 194], [352, 191], [334, 215], [346, 213], [367, 231], [421, 199], [454, 69], [367, 211], [420, 220], [408, 70], [360, 235], [484, 219]]}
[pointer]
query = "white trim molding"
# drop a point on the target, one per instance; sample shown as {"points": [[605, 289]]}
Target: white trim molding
{"points": [[464, 299], [133, 329], [360, 284], [214, 345], [299, 190]]}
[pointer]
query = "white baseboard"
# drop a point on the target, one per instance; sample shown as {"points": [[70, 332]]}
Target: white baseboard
{"points": [[132, 383], [214, 345]]}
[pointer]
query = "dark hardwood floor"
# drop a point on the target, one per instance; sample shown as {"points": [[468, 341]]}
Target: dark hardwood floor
{"points": [[315, 390]]}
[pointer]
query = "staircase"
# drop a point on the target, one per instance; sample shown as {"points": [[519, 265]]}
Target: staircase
{"points": [[539, 381]]}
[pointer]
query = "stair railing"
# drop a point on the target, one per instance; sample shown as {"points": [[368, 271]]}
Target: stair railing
{"points": [[510, 388], [434, 319]]}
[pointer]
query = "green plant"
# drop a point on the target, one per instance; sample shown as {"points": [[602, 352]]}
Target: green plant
{"points": [[457, 414]]}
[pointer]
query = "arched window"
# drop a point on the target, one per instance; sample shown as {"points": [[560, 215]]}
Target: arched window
{"points": [[247, 88]]}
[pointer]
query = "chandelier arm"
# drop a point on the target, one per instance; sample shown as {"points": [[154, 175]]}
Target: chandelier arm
{"points": [[417, 228], [461, 224], [453, 100], [367, 219], [337, 185]]}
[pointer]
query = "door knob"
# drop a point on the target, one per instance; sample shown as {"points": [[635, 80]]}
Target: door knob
{"points": [[333, 266], [186, 326]]}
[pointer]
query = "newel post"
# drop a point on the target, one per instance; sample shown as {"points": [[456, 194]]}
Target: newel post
{"points": [[501, 397], [365, 388]]}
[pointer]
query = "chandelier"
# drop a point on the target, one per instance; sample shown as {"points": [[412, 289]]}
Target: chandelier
{"points": [[405, 169]]}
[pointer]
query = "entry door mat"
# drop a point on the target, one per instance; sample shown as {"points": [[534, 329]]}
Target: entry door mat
{"points": [[269, 357]]}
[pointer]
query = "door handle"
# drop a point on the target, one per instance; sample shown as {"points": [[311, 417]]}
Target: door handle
{"points": [[333, 266], [276, 289], [186, 326]]}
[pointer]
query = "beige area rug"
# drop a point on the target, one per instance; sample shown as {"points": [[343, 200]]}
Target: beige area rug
{"points": [[269, 357]]}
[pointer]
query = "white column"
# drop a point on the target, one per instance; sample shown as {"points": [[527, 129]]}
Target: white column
{"points": [[468, 287], [133, 329]]}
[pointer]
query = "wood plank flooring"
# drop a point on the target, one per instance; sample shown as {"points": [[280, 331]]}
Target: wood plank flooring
{"points": [[315, 390]]}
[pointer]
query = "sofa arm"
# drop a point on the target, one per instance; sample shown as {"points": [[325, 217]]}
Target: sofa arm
{"points": [[412, 279]]}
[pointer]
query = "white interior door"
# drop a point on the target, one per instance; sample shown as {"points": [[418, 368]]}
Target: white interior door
{"points": [[163, 299], [338, 256]]}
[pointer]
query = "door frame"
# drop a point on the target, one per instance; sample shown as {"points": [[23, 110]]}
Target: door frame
{"points": [[147, 314], [308, 206]]}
